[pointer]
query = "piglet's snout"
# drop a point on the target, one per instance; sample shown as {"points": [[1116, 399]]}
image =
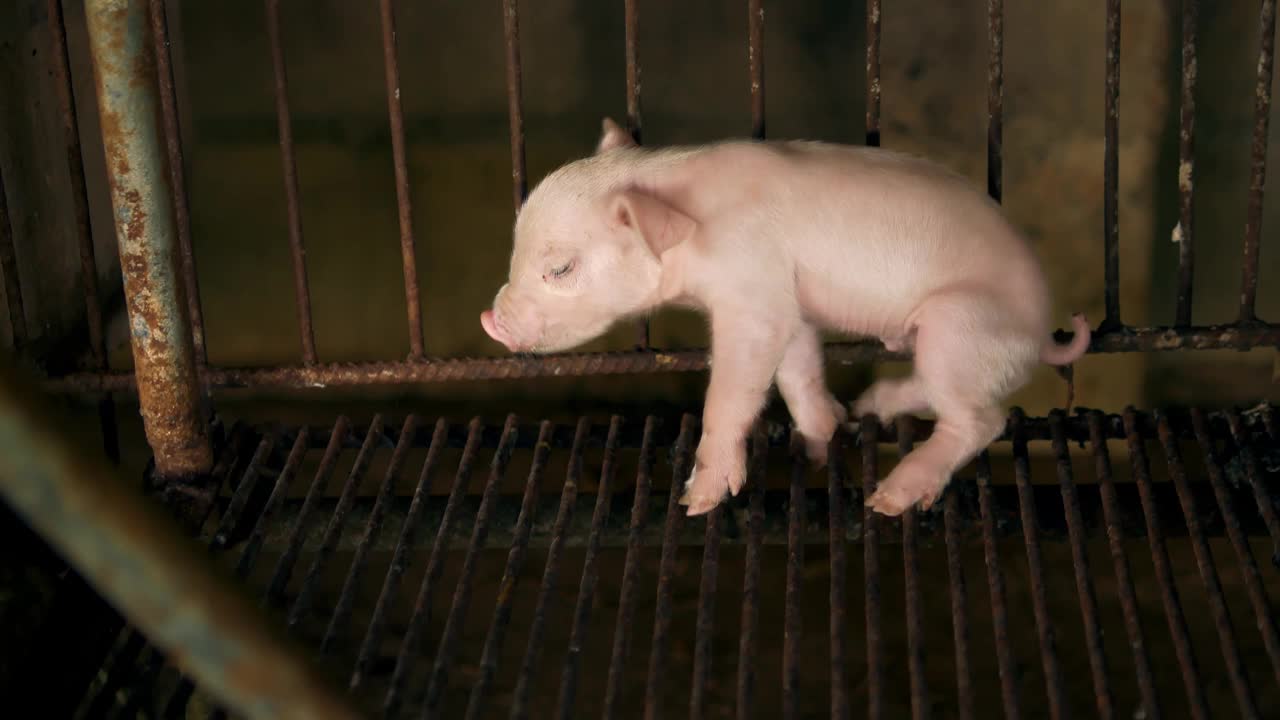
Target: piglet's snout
{"points": [[494, 330]]}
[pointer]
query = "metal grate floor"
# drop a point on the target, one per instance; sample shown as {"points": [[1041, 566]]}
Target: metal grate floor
{"points": [[473, 571]]}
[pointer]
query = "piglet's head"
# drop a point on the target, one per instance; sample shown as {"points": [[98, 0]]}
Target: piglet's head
{"points": [[587, 253]]}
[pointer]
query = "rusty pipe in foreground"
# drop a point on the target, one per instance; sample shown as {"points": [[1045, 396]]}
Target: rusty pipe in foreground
{"points": [[160, 333], [137, 558]]}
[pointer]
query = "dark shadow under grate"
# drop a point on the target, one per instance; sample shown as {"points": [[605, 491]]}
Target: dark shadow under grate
{"points": [[470, 571]]}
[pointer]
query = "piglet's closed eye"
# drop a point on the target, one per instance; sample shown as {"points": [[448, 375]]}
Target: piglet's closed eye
{"points": [[659, 224]]}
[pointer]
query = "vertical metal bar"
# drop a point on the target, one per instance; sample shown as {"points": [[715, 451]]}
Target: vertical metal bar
{"points": [[1239, 542], [911, 570], [751, 576], [1236, 671], [1080, 559], [399, 558], [568, 495], [302, 603], [1111, 169], [9, 268], [373, 528], [959, 603], [873, 74], [61, 67], [587, 586], [995, 586], [409, 649], [627, 593], [1258, 161], [792, 625], [1256, 482], [249, 555], [705, 624], [666, 569], [836, 473], [515, 101], [511, 575], [1198, 706], [1039, 593], [1185, 232], [755, 65], [438, 681], [137, 558], [995, 99], [404, 203], [302, 294], [1124, 580], [631, 14], [293, 545], [869, 429], [177, 173], [168, 387]]}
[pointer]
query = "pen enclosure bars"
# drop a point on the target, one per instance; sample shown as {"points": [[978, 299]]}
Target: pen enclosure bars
{"points": [[430, 594]]}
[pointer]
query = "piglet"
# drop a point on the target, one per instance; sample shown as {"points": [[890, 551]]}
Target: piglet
{"points": [[775, 240]]}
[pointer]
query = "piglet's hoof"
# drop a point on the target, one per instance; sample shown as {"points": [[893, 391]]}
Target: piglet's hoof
{"points": [[698, 498]]}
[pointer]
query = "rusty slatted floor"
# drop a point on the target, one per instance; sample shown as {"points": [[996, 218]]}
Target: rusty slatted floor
{"points": [[1090, 565]]}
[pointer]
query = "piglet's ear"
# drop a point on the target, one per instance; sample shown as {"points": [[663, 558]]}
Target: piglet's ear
{"points": [[661, 225], [613, 136]]}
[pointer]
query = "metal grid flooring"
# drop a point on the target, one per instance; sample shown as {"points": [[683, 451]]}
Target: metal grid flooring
{"points": [[568, 581]]}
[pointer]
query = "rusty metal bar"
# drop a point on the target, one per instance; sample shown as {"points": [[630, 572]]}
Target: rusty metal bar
{"points": [[959, 603], [1258, 161], [404, 202], [1266, 507], [515, 101], [249, 555], [293, 545], [550, 571], [836, 473], [1039, 593], [511, 574], [168, 387], [755, 65], [1248, 566], [177, 172], [409, 649], [995, 99], [627, 593], [302, 294], [372, 530], [1151, 339], [587, 586], [337, 520], [438, 680], [1197, 705], [913, 609], [751, 577], [1236, 670], [995, 586], [399, 558], [704, 626], [680, 471], [868, 431], [1111, 169], [141, 563], [631, 14], [873, 73], [1080, 560], [1124, 579], [240, 496], [1184, 233], [792, 623], [9, 269]]}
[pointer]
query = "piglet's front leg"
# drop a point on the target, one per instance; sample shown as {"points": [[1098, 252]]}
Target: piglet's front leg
{"points": [[745, 353]]}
